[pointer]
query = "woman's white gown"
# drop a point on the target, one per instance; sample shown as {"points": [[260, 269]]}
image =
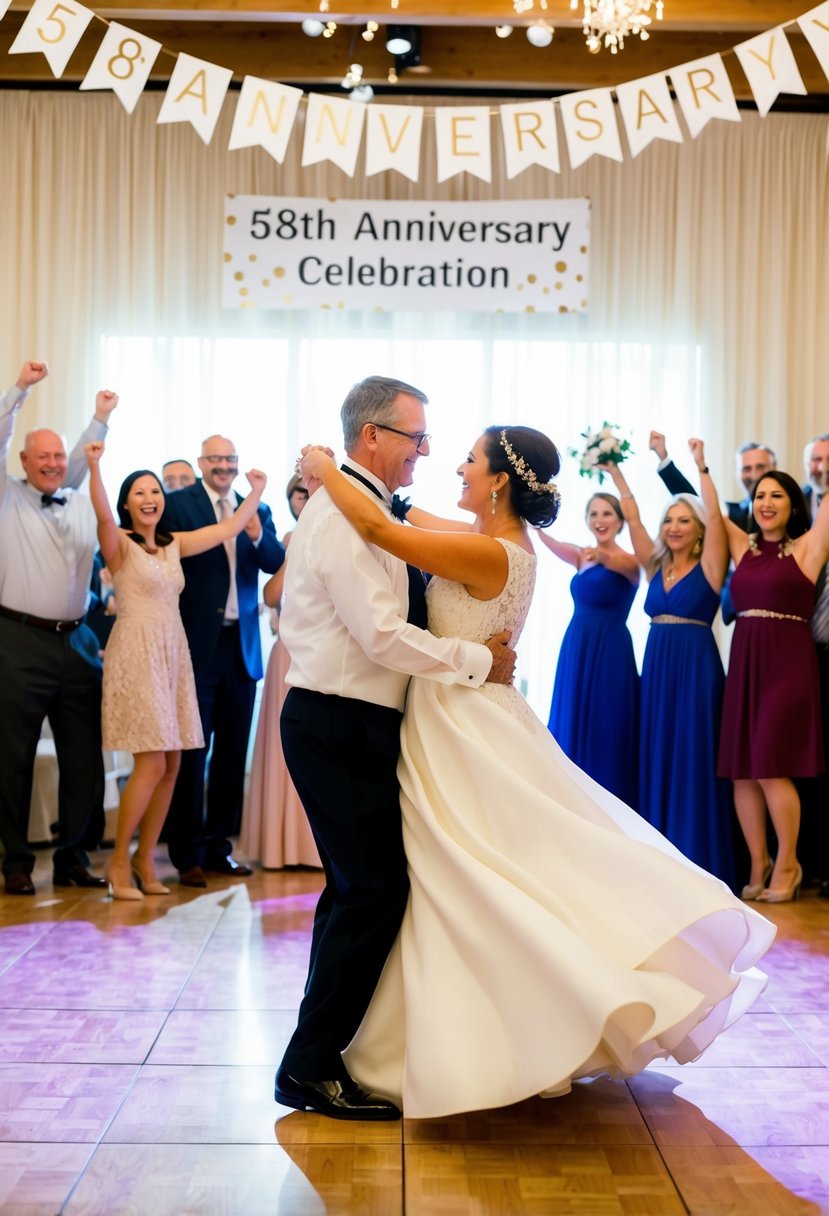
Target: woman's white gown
{"points": [[551, 933]]}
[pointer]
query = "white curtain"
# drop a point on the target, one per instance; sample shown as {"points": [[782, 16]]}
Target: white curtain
{"points": [[709, 293]]}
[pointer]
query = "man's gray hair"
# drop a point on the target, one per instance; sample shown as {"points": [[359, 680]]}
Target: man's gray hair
{"points": [[751, 446], [372, 400], [807, 451]]}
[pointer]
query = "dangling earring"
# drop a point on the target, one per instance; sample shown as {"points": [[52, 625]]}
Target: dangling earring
{"points": [[494, 497], [752, 542], [697, 549]]}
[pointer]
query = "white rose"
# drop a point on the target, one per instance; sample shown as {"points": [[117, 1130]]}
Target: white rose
{"points": [[606, 432], [608, 444]]}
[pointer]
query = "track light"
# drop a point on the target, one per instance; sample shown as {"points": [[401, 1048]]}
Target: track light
{"points": [[503, 31], [399, 39], [312, 27], [540, 34]]}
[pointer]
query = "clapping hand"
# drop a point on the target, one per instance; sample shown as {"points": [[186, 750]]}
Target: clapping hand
{"points": [[105, 403], [32, 373], [93, 452], [656, 443]]}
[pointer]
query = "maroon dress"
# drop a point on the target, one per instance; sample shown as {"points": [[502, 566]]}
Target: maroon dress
{"points": [[771, 712]]}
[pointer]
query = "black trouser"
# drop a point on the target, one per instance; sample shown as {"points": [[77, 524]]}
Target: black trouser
{"points": [[42, 675], [226, 695], [342, 755], [813, 844]]}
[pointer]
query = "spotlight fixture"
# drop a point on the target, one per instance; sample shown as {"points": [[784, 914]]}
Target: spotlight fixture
{"points": [[503, 31], [399, 40], [540, 34], [409, 60], [312, 27]]}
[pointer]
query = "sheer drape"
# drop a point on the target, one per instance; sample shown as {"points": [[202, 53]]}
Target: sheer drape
{"points": [[709, 295]]}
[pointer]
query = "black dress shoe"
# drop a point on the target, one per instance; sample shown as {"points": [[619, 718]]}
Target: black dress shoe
{"points": [[227, 865], [337, 1099], [194, 877], [19, 884], [76, 876]]}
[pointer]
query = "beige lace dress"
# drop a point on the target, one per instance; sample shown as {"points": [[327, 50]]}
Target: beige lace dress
{"points": [[149, 701]]}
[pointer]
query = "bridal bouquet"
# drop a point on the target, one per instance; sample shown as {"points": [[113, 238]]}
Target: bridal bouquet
{"points": [[601, 447]]}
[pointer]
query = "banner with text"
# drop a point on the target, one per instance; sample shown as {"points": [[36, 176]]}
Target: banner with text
{"points": [[527, 256]]}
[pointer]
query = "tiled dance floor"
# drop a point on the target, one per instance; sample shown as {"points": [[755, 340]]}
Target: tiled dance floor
{"points": [[137, 1052]]}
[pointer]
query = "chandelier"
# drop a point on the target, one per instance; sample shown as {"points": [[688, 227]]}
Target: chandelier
{"points": [[609, 22]]}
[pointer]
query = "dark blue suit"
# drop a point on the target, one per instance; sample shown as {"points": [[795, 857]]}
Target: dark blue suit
{"points": [[227, 662]]}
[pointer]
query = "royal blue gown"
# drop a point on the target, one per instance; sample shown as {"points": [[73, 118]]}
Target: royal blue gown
{"points": [[594, 712], [682, 695]]}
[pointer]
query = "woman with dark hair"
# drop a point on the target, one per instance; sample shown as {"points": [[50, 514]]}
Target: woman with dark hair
{"points": [[595, 706], [149, 697], [275, 829], [682, 674], [518, 967], [771, 715]]}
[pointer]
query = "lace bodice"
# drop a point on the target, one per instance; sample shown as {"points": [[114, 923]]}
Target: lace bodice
{"points": [[148, 584], [453, 613]]}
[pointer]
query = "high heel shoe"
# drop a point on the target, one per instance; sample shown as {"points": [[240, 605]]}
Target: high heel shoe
{"points": [[785, 894], [148, 888], [117, 892], [754, 890]]}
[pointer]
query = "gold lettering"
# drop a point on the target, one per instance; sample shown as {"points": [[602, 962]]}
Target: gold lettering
{"points": [[521, 131], [326, 111], [123, 57], [458, 134], [703, 88], [767, 62], [394, 144], [820, 24], [199, 93], [274, 121], [586, 118], [642, 113], [60, 33]]}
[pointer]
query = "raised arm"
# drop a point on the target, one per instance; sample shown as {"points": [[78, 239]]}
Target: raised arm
{"points": [[643, 546], [568, 552], [812, 550], [96, 431], [436, 523], [715, 547], [675, 481], [202, 539], [109, 534], [31, 373], [477, 561]]}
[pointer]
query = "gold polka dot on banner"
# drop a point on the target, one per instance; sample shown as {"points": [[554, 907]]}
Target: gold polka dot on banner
{"points": [[228, 257], [559, 286], [243, 291], [341, 304], [239, 276], [563, 308], [582, 249], [279, 272], [266, 282], [531, 278], [579, 278], [230, 220], [529, 308], [251, 257], [561, 267]]}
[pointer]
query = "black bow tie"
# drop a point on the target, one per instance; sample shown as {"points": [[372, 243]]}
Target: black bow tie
{"points": [[399, 506], [48, 499]]}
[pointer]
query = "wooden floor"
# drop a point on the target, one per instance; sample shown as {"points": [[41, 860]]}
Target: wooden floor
{"points": [[137, 1053]]}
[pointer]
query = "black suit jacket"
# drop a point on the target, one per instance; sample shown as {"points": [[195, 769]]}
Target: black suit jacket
{"points": [[207, 578]]}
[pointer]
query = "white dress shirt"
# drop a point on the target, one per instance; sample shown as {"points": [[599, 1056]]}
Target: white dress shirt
{"points": [[344, 619], [45, 551], [232, 603]]}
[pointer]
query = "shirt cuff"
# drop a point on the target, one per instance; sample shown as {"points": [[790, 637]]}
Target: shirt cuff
{"points": [[663, 464]]}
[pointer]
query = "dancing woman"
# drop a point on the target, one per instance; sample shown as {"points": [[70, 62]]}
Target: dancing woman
{"points": [[595, 708], [149, 697], [518, 966]]}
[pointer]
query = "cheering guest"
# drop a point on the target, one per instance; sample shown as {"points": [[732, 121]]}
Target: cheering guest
{"points": [[771, 715], [149, 705], [177, 475], [275, 828], [682, 674], [47, 540], [596, 694], [220, 612]]}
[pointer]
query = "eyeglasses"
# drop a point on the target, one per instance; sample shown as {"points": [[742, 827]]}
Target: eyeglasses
{"points": [[221, 459], [418, 438]]}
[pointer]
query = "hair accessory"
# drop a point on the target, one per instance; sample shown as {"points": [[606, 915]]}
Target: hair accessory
{"points": [[525, 472]]}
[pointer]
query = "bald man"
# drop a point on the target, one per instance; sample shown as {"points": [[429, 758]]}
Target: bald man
{"points": [[48, 536]]}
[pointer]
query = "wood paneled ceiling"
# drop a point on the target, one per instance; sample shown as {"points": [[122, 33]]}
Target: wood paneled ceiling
{"points": [[459, 50]]}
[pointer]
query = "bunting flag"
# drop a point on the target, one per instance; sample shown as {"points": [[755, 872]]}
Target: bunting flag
{"points": [[528, 130], [123, 63], [770, 68], [590, 126], [53, 29], [463, 143], [393, 135], [195, 94], [648, 112], [266, 111], [704, 91], [265, 114], [333, 129]]}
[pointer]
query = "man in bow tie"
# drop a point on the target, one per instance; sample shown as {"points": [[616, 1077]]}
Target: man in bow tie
{"points": [[48, 537], [353, 625]]}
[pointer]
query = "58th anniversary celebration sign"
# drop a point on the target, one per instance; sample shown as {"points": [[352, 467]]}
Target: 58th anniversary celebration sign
{"points": [[376, 254]]}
